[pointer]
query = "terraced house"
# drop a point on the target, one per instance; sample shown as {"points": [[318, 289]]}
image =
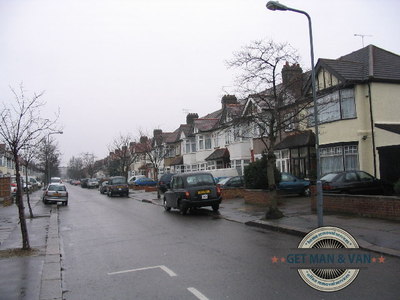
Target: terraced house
{"points": [[359, 108], [358, 98]]}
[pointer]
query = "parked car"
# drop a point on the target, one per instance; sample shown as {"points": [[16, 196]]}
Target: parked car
{"points": [[92, 183], [117, 185], [55, 180], [145, 181], [192, 190], [84, 182], [54, 193], [132, 179], [163, 183], [355, 182], [103, 187], [218, 179], [231, 182], [291, 184]]}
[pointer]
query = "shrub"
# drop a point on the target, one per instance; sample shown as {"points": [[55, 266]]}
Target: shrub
{"points": [[255, 174]]}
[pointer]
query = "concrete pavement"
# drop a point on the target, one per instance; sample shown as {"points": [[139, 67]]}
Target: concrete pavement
{"points": [[382, 236], [38, 275]]}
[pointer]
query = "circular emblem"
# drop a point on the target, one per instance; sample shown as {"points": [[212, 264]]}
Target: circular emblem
{"points": [[328, 280]]}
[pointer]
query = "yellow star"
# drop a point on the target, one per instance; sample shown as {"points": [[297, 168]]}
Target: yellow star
{"points": [[381, 259], [283, 259], [275, 260]]}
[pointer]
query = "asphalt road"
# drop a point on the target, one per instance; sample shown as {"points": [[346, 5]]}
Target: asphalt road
{"points": [[120, 248]]}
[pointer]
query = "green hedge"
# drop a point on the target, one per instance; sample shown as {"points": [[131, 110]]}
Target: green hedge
{"points": [[255, 174]]}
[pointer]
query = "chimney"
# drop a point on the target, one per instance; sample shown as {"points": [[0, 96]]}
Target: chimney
{"points": [[143, 139], [228, 99], [191, 117], [292, 78]]}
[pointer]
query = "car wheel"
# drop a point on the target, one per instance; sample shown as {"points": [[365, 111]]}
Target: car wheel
{"points": [[167, 208], [182, 209], [158, 195], [65, 203], [306, 191], [215, 207]]}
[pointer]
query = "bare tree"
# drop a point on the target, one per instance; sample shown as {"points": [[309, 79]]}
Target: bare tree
{"points": [[273, 105], [89, 164], [154, 150], [75, 168], [29, 154], [48, 157], [124, 154], [21, 124]]}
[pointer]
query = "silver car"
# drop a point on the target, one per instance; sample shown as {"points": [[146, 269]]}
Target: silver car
{"points": [[54, 193]]}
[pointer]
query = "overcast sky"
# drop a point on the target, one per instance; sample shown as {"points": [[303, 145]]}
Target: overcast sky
{"points": [[119, 66]]}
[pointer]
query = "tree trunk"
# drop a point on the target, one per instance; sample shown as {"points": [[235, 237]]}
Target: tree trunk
{"points": [[21, 208], [273, 210], [27, 194]]}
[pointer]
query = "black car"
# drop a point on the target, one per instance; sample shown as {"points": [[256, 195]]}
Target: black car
{"points": [[232, 182], [192, 190], [84, 182], [354, 182], [163, 184], [117, 185]]}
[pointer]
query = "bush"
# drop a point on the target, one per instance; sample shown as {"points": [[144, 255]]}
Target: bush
{"points": [[255, 174]]}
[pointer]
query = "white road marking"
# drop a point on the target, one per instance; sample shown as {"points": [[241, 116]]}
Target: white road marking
{"points": [[197, 293], [164, 268]]}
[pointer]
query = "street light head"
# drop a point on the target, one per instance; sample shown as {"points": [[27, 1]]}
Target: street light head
{"points": [[275, 5]]}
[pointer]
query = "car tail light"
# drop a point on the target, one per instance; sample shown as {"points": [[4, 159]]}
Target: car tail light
{"points": [[187, 195], [218, 190], [13, 184], [326, 186]]}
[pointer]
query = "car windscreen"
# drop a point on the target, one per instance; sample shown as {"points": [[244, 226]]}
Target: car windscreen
{"points": [[329, 177], [56, 188], [199, 180], [223, 181], [118, 181]]}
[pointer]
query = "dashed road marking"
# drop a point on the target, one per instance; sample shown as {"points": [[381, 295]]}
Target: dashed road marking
{"points": [[195, 292], [164, 268]]}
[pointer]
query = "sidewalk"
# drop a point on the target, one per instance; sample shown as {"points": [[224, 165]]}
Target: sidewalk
{"points": [[35, 274], [382, 236]]}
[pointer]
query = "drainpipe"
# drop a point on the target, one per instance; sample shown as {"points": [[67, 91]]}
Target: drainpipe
{"points": [[372, 126]]}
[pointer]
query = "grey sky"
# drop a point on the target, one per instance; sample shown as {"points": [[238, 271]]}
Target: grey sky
{"points": [[122, 66]]}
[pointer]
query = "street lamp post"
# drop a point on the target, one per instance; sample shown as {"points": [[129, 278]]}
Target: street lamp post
{"points": [[47, 156], [274, 5]]}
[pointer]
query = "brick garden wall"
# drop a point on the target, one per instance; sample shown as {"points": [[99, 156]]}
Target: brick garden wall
{"points": [[260, 197], [368, 206], [232, 193]]}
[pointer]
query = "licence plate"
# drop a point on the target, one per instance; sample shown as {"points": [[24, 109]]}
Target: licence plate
{"points": [[203, 192], [204, 196]]}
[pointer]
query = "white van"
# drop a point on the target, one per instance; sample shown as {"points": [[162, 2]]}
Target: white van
{"points": [[134, 177]]}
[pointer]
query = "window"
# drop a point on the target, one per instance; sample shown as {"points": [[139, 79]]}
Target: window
{"points": [[211, 165], [208, 141], [200, 139], [339, 158], [190, 146], [228, 137], [216, 139], [339, 105]]}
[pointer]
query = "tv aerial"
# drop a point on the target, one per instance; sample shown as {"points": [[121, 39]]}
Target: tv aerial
{"points": [[362, 36]]}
